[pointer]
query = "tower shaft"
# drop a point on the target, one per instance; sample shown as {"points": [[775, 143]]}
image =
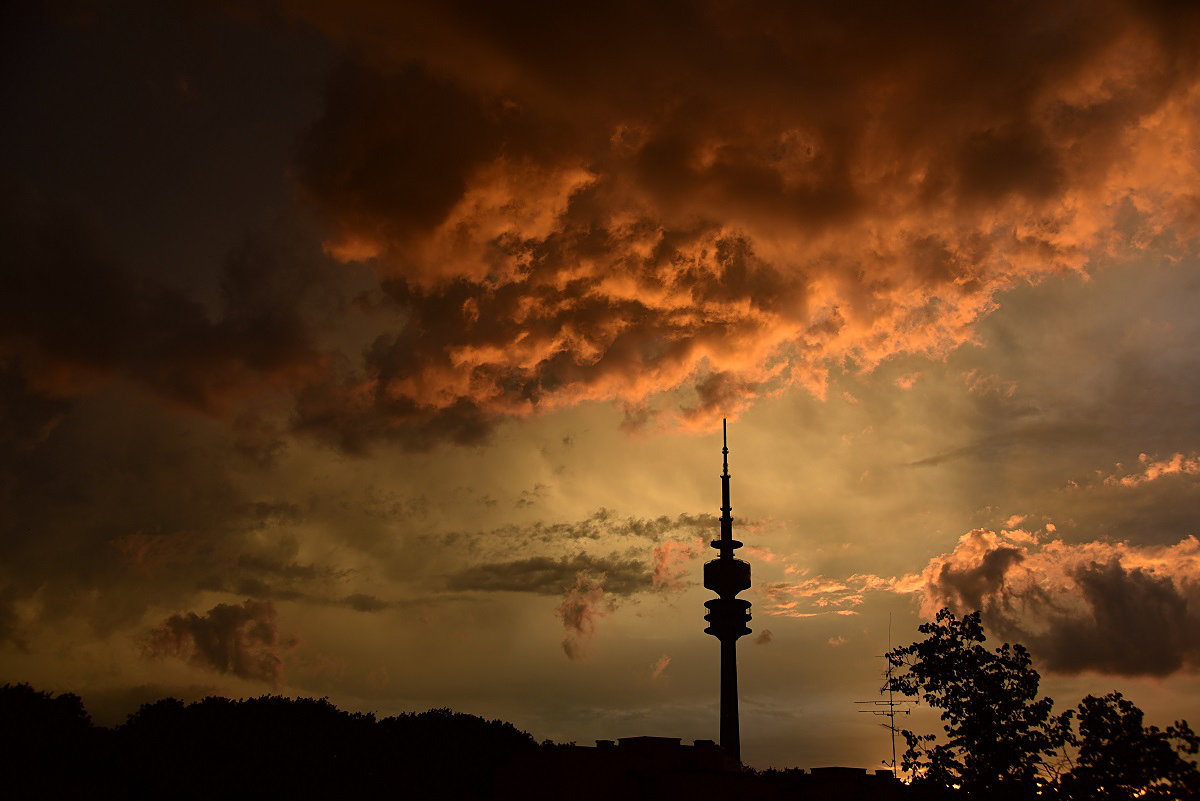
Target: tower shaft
{"points": [[731, 734]]}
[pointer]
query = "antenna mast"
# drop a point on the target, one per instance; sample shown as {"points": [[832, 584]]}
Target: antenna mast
{"points": [[891, 707]]}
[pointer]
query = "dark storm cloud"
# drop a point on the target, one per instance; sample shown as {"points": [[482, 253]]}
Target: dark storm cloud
{"points": [[601, 524], [967, 586], [618, 575], [1110, 608], [97, 487], [1141, 625], [351, 414], [590, 587], [363, 602], [26, 415], [243, 640], [270, 571], [111, 505], [744, 198], [258, 439], [400, 166], [72, 319], [124, 484]]}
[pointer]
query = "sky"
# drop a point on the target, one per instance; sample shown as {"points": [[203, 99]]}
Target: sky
{"points": [[379, 352]]}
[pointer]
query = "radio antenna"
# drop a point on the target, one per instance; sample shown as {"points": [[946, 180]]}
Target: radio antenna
{"points": [[888, 709]]}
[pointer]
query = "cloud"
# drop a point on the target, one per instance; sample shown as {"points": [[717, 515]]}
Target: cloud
{"points": [[1150, 469], [581, 608], [600, 524], [363, 602], [1107, 607], [765, 637], [147, 504], [72, 319], [671, 562], [968, 584], [821, 595], [1040, 433], [27, 416], [619, 575], [242, 640], [797, 189], [531, 497], [659, 667], [590, 585]]}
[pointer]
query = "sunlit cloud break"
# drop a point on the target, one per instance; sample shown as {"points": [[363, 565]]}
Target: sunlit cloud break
{"points": [[1150, 469]]}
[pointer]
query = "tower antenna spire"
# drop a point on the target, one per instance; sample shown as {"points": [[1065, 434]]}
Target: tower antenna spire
{"points": [[724, 448], [727, 614]]}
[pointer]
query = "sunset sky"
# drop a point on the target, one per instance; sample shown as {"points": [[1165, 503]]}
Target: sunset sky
{"points": [[379, 351]]}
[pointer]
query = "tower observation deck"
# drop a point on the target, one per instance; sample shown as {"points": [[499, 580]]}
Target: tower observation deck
{"points": [[727, 615]]}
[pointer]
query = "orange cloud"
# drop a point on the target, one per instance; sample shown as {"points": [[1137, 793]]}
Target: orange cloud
{"points": [[657, 669], [686, 245], [580, 611], [824, 595], [1154, 469], [671, 560]]}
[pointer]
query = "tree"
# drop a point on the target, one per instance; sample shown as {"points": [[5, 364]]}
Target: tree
{"points": [[47, 744], [1120, 758], [999, 734]]}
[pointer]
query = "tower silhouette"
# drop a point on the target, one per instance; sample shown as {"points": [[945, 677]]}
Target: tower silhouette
{"points": [[727, 615]]}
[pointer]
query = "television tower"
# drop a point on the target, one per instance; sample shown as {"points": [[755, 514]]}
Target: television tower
{"points": [[727, 615]]}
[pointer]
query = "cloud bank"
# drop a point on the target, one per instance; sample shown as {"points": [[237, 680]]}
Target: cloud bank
{"points": [[745, 199], [1105, 607]]}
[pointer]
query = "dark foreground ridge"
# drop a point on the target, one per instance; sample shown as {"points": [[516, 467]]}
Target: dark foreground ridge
{"points": [[283, 748], [1000, 742]]}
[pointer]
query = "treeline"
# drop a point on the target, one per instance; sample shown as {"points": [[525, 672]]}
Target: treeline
{"points": [[1002, 741], [261, 748]]}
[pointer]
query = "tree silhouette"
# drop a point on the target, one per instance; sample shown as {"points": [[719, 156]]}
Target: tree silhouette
{"points": [[302, 748], [260, 748], [998, 732], [1003, 742], [48, 743], [1120, 758], [999, 737]]}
